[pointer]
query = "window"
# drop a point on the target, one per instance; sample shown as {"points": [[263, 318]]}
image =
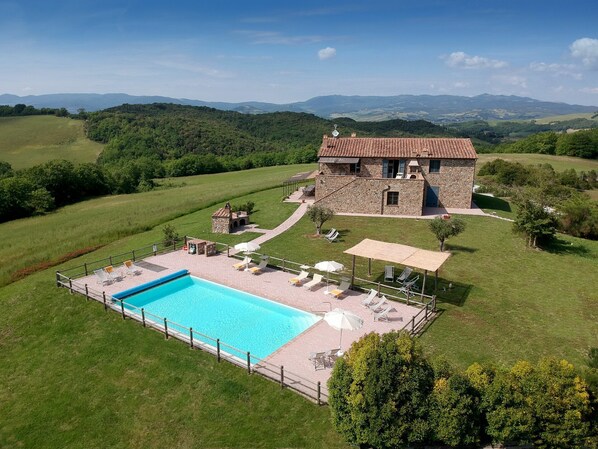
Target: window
{"points": [[354, 169], [392, 198], [434, 165], [391, 168]]}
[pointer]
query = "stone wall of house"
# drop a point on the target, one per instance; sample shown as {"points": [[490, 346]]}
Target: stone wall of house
{"points": [[352, 194], [221, 225], [455, 181], [370, 168]]}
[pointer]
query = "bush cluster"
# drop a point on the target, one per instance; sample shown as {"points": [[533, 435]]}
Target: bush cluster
{"points": [[385, 393]]}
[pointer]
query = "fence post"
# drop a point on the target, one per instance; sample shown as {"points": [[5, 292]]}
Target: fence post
{"points": [[413, 325], [165, 329], [227, 251], [104, 298], [248, 363], [433, 303], [86, 292], [57, 279], [426, 313], [283, 265], [319, 392], [85, 265], [218, 350], [155, 249], [191, 337], [378, 288], [143, 316], [133, 255], [281, 376], [110, 259], [122, 309], [71, 286]]}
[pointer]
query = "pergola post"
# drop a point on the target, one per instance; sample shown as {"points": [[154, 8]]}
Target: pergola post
{"points": [[353, 272], [436, 280], [369, 266], [424, 284]]}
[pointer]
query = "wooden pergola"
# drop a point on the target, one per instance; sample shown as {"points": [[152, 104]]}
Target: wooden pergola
{"points": [[409, 256]]}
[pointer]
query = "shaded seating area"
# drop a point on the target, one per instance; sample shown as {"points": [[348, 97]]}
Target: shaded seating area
{"points": [[408, 256]]}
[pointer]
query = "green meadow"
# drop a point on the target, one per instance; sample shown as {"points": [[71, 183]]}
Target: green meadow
{"points": [[33, 140], [559, 163]]}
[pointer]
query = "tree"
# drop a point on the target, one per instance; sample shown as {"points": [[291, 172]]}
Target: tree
{"points": [[379, 392], [443, 229], [534, 219], [319, 215], [170, 234], [579, 217]]}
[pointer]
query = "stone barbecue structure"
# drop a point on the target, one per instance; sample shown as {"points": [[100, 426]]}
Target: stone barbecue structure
{"points": [[224, 220], [395, 176]]}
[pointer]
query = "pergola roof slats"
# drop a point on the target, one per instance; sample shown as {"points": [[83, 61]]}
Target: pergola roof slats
{"points": [[399, 254]]}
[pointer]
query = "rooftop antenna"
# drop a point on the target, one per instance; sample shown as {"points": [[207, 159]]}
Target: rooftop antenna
{"points": [[335, 133]]}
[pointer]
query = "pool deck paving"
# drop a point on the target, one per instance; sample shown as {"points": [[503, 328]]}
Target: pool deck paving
{"points": [[274, 285]]}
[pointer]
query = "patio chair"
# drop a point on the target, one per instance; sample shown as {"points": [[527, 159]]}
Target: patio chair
{"points": [[401, 278], [331, 356], [379, 305], [333, 237], [369, 298], [298, 280], [102, 277], [330, 233], [112, 274], [389, 273], [243, 264], [383, 315], [341, 290], [318, 359], [315, 281], [131, 268], [260, 268]]}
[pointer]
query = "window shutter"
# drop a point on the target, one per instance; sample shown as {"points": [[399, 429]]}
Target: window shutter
{"points": [[385, 168]]}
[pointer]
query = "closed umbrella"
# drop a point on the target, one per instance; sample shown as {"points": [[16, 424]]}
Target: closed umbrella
{"points": [[340, 319], [329, 266], [247, 247]]}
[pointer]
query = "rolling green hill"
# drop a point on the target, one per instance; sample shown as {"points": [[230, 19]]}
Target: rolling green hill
{"points": [[559, 163], [33, 140]]}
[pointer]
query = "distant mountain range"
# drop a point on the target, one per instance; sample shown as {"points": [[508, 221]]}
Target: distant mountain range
{"points": [[435, 108]]}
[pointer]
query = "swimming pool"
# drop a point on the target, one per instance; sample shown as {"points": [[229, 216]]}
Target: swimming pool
{"points": [[238, 319]]}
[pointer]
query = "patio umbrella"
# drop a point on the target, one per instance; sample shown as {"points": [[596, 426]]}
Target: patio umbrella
{"points": [[247, 247], [340, 319], [329, 266]]}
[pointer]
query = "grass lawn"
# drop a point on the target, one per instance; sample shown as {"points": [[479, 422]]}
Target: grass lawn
{"points": [[33, 140], [40, 240], [508, 302], [559, 163]]}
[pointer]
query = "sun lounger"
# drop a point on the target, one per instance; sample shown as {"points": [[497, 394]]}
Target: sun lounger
{"points": [[298, 280], [102, 277], [315, 281], [341, 290], [131, 268], [330, 233], [243, 264], [318, 359], [379, 305], [369, 298], [389, 273], [331, 356], [401, 278], [333, 237], [383, 315], [260, 267], [112, 273]]}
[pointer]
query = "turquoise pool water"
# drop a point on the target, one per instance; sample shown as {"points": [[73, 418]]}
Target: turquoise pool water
{"points": [[239, 319]]}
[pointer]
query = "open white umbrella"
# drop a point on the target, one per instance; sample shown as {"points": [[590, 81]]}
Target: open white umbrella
{"points": [[247, 247], [340, 319], [329, 266]]}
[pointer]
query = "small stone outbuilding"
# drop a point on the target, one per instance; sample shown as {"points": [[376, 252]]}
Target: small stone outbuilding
{"points": [[225, 221]]}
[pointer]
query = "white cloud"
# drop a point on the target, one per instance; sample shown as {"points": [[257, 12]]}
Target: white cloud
{"points": [[557, 69], [461, 84], [590, 90], [326, 53], [276, 38], [586, 49], [462, 60], [511, 80]]}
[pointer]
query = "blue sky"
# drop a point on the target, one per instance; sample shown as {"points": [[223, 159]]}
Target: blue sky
{"points": [[280, 52]]}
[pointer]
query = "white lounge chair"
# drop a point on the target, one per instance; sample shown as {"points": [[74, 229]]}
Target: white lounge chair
{"points": [[131, 268], [298, 280], [330, 233], [379, 305], [102, 277], [369, 298], [383, 315], [112, 274], [401, 278], [341, 290], [243, 264], [315, 281], [333, 237], [260, 267]]}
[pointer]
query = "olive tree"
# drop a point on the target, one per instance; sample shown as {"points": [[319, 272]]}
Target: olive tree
{"points": [[445, 228], [319, 215]]}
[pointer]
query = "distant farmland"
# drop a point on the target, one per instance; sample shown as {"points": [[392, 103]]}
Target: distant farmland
{"points": [[33, 140]]}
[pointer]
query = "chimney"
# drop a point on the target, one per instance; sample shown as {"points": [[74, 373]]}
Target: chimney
{"points": [[425, 152], [353, 134], [325, 137]]}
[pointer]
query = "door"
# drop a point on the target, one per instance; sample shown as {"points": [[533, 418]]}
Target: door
{"points": [[432, 196]]}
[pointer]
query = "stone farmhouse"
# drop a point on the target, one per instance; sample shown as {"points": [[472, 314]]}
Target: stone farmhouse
{"points": [[395, 176]]}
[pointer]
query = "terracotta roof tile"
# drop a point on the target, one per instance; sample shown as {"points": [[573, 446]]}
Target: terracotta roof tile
{"points": [[223, 212], [397, 147]]}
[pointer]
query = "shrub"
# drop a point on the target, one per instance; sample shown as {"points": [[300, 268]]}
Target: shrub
{"points": [[170, 234]]}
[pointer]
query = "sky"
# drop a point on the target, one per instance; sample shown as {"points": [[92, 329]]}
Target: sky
{"points": [[282, 51]]}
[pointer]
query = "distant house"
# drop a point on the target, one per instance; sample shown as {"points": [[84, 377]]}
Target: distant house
{"points": [[395, 176]]}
